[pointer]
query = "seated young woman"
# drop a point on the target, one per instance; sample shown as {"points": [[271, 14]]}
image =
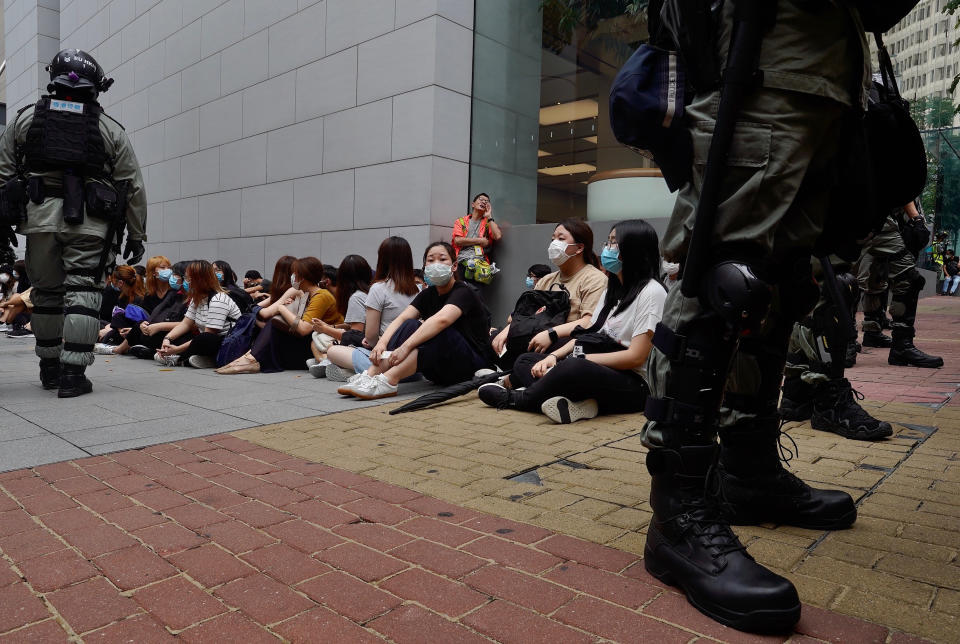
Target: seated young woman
{"points": [[228, 281], [391, 293], [571, 251], [143, 340], [279, 285], [599, 369], [208, 319], [156, 284], [128, 288], [353, 277], [284, 343], [447, 346]]}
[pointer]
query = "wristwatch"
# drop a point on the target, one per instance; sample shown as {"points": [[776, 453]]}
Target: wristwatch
{"points": [[553, 335]]}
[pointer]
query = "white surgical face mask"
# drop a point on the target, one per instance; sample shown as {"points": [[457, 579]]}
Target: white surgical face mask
{"points": [[669, 267], [294, 282], [4, 278], [437, 274], [557, 252]]}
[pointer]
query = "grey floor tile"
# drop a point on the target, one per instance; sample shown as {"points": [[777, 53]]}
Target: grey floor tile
{"points": [[36, 450]]}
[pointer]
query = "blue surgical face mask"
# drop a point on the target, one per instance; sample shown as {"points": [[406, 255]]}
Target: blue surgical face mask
{"points": [[174, 281], [610, 259], [186, 286], [219, 275], [529, 282], [165, 274]]}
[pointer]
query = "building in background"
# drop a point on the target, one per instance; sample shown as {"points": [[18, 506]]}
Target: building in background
{"points": [[271, 127], [924, 57]]}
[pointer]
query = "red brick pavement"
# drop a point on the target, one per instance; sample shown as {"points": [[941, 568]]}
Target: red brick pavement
{"points": [[217, 539]]}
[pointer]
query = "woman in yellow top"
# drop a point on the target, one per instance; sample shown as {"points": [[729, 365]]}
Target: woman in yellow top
{"points": [[285, 342]]}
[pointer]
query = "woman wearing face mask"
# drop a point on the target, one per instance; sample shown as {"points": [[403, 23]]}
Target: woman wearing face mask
{"points": [[285, 342], [157, 281], [600, 372], [143, 339], [210, 316], [228, 280], [448, 346], [571, 251], [534, 274]]}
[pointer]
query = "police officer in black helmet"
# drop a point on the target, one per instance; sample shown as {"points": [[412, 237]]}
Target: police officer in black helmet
{"points": [[70, 182]]}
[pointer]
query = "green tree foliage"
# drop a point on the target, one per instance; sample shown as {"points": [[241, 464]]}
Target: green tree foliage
{"points": [[562, 19]]}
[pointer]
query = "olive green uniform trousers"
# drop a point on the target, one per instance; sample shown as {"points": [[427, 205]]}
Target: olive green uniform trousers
{"points": [[66, 294], [886, 263]]}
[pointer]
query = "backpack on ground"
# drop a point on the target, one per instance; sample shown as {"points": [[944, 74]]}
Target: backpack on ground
{"points": [[534, 312], [239, 339]]}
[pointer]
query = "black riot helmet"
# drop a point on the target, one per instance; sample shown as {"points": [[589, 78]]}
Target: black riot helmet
{"points": [[76, 71]]}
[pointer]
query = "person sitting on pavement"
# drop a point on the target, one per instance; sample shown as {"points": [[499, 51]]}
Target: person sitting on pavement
{"points": [[129, 289], [571, 251], [284, 343], [534, 274], [279, 285], [442, 334], [144, 339], [391, 293], [254, 284], [951, 273], [209, 318], [157, 282], [15, 315], [228, 280], [600, 369], [353, 283]]}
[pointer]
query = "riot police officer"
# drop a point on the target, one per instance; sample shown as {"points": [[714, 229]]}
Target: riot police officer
{"points": [[70, 183]]}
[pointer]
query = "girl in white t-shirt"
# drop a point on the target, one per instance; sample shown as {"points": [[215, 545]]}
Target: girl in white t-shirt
{"points": [[599, 369], [210, 316]]}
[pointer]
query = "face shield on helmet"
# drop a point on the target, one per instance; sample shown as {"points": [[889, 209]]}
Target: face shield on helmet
{"points": [[77, 72]]}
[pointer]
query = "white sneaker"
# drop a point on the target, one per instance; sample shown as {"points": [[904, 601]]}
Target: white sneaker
{"points": [[563, 410], [5, 327], [373, 388], [103, 349], [202, 362], [337, 373], [480, 373], [352, 381], [317, 369], [167, 361]]}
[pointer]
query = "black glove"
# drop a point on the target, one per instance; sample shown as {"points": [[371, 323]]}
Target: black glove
{"points": [[134, 250], [8, 235], [915, 235]]}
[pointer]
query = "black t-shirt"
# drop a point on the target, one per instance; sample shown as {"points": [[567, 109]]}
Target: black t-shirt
{"points": [[150, 302], [472, 323], [242, 299], [952, 266], [171, 308]]}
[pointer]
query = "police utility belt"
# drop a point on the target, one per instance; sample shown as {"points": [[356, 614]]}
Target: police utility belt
{"points": [[64, 136]]}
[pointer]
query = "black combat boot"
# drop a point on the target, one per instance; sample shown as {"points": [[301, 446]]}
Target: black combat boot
{"points": [[797, 401], [835, 409], [691, 546], [903, 353], [50, 372], [753, 487], [850, 359], [73, 383], [876, 339]]}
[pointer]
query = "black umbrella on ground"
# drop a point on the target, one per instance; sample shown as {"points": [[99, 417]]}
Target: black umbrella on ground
{"points": [[446, 393]]}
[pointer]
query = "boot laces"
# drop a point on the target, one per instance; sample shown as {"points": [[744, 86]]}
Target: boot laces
{"points": [[848, 407], [707, 523]]}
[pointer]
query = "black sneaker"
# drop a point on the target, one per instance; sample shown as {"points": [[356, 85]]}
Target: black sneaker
{"points": [[494, 395], [20, 332], [836, 410], [141, 351]]}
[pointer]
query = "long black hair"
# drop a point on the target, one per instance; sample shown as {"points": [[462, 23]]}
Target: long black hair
{"points": [[229, 276], [353, 275], [640, 254]]}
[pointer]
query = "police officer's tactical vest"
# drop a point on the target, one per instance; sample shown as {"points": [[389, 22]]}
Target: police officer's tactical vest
{"points": [[66, 134]]}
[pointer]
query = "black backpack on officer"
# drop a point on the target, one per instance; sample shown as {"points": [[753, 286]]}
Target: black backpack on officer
{"points": [[534, 312]]}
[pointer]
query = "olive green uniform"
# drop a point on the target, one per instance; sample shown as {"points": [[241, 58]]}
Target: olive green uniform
{"points": [[62, 259], [775, 192], [885, 263]]}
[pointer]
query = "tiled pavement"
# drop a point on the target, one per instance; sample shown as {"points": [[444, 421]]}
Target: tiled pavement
{"points": [[217, 538]]}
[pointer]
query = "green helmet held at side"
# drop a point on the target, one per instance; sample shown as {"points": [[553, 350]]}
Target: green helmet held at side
{"points": [[74, 70]]}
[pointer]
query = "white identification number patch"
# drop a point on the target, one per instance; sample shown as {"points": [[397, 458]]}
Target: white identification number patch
{"points": [[66, 106]]}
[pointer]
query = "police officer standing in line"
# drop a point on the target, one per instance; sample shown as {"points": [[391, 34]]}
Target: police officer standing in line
{"points": [[886, 258], [70, 182], [719, 357]]}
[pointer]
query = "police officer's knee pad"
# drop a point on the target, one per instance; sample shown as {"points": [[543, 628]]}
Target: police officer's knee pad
{"points": [[735, 293], [849, 287], [915, 280]]}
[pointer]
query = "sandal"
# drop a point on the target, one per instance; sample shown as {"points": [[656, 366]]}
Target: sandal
{"points": [[244, 364]]}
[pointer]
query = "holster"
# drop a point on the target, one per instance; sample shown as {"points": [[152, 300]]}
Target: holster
{"points": [[13, 202], [102, 201]]}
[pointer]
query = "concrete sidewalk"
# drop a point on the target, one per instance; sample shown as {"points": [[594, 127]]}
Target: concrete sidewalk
{"points": [[456, 523]]}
